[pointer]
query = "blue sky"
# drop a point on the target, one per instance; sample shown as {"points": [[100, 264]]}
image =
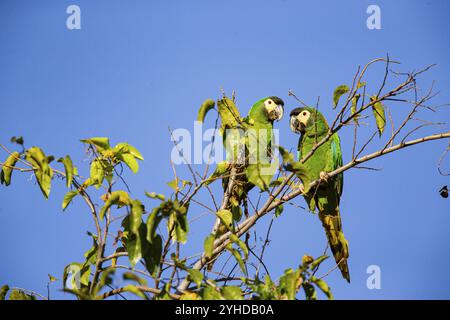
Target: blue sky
{"points": [[136, 68]]}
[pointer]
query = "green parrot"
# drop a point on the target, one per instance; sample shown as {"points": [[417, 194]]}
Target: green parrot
{"points": [[244, 139], [248, 148], [313, 127]]}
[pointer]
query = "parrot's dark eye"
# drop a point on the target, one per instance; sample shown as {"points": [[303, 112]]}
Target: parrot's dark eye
{"points": [[270, 102], [304, 113]]}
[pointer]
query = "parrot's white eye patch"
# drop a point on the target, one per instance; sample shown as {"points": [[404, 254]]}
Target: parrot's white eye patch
{"points": [[303, 117], [269, 103]]}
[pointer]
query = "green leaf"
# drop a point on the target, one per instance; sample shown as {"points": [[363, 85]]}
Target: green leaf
{"points": [[279, 210], [226, 217], [207, 105], [209, 245], [302, 172], [152, 252], [307, 260], [42, 170], [318, 261], [229, 113], [119, 198], [6, 168], [178, 223], [137, 209], [234, 238], [134, 249], [137, 232], [338, 92], [221, 169], [130, 276], [289, 283], [133, 289], [97, 173], [256, 174], [114, 260], [101, 143], [154, 195], [20, 295], [354, 107], [128, 148], [310, 292], [286, 155], [211, 293], [232, 293], [129, 160], [68, 168], [277, 182], [3, 291], [153, 221], [91, 254], [173, 184], [79, 271], [106, 278], [51, 278], [379, 114], [18, 140], [238, 258], [322, 285], [196, 276], [189, 296], [68, 198]]}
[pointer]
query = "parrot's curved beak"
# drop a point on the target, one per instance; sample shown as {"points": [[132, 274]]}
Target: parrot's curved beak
{"points": [[276, 113]]}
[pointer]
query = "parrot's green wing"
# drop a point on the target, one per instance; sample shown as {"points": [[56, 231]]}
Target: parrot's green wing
{"points": [[336, 153]]}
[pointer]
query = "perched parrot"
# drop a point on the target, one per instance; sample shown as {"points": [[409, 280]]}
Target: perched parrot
{"points": [[313, 127], [242, 147], [253, 141]]}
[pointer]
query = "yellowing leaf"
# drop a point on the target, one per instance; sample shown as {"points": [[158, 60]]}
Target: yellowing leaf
{"points": [[196, 276], [68, 167], [226, 217], [68, 198], [7, 168], [207, 105], [234, 238], [338, 92], [354, 107], [232, 293], [322, 285], [209, 245], [379, 114], [128, 148], [101, 143], [129, 160], [42, 170], [3, 292], [120, 198]]}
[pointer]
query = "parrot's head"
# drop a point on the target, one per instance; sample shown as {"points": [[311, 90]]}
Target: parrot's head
{"points": [[268, 109], [307, 119]]}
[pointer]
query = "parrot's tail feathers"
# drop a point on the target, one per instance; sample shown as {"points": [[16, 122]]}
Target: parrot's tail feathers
{"points": [[337, 241], [343, 266]]}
